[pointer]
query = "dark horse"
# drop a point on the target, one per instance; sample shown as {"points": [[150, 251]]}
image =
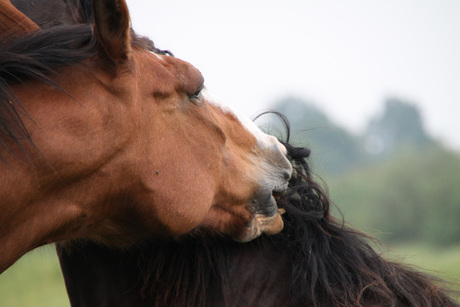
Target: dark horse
{"points": [[314, 261]]}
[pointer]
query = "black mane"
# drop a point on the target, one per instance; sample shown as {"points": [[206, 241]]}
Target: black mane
{"points": [[315, 261], [327, 261]]}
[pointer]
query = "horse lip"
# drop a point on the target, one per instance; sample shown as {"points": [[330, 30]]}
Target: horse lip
{"points": [[279, 191], [260, 224], [266, 216]]}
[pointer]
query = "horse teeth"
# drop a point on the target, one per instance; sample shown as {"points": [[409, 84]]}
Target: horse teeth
{"points": [[281, 211]]}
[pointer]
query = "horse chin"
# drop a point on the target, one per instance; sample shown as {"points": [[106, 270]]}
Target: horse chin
{"points": [[260, 224]]}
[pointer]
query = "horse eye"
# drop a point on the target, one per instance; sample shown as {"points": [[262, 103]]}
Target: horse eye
{"points": [[196, 97]]}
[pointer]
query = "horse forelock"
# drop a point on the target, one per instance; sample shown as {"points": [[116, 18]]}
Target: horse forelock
{"points": [[36, 56], [39, 56]]}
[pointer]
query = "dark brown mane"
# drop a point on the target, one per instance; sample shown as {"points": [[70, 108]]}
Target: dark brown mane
{"points": [[328, 261], [47, 14], [315, 261]]}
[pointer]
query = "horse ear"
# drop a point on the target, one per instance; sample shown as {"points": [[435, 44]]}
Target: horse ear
{"points": [[13, 23], [112, 27]]}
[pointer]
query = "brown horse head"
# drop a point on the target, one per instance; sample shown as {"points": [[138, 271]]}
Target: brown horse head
{"points": [[120, 143]]}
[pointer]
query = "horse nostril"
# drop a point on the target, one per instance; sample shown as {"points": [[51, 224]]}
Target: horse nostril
{"points": [[287, 175]]}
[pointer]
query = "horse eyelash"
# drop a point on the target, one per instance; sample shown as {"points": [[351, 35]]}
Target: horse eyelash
{"points": [[196, 97]]}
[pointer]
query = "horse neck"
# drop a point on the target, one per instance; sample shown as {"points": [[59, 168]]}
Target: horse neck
{"points": [[267, 272], [36, 209], [184, 273], [26, 223]]}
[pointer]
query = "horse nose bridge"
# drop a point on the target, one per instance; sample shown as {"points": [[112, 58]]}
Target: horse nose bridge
{"points": [[275, 156], [269, 149], [273, 145]]}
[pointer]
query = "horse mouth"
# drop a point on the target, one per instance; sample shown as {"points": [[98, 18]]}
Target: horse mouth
{"points": [[279, 192], [262, 223]]}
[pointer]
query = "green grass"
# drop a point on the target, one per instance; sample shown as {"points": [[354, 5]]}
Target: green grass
{"points": [[442, 262], [36, 280]]}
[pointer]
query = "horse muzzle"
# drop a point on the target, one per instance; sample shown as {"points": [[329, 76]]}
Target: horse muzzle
{"points": [[266, 214]]}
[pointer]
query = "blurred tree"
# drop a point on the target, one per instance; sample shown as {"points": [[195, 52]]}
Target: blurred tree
{"points": [[400, 125], [334, 150], [411, 197], [394, 181]]}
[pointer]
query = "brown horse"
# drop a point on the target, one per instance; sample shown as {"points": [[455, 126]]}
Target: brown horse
{"points": [[314, 261], [103, 137]]}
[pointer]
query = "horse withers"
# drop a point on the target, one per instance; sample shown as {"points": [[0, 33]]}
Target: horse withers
{"points": [[104, 138]]}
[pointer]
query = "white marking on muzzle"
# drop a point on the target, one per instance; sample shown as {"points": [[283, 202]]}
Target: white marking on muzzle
{"points": [[262, 138]]}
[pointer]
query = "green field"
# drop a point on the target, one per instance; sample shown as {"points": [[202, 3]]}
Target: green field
{"points": [[36, 281], [442, 262]]}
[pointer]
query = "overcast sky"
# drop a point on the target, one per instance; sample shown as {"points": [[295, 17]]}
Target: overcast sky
{"points": [[346, 56]]}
